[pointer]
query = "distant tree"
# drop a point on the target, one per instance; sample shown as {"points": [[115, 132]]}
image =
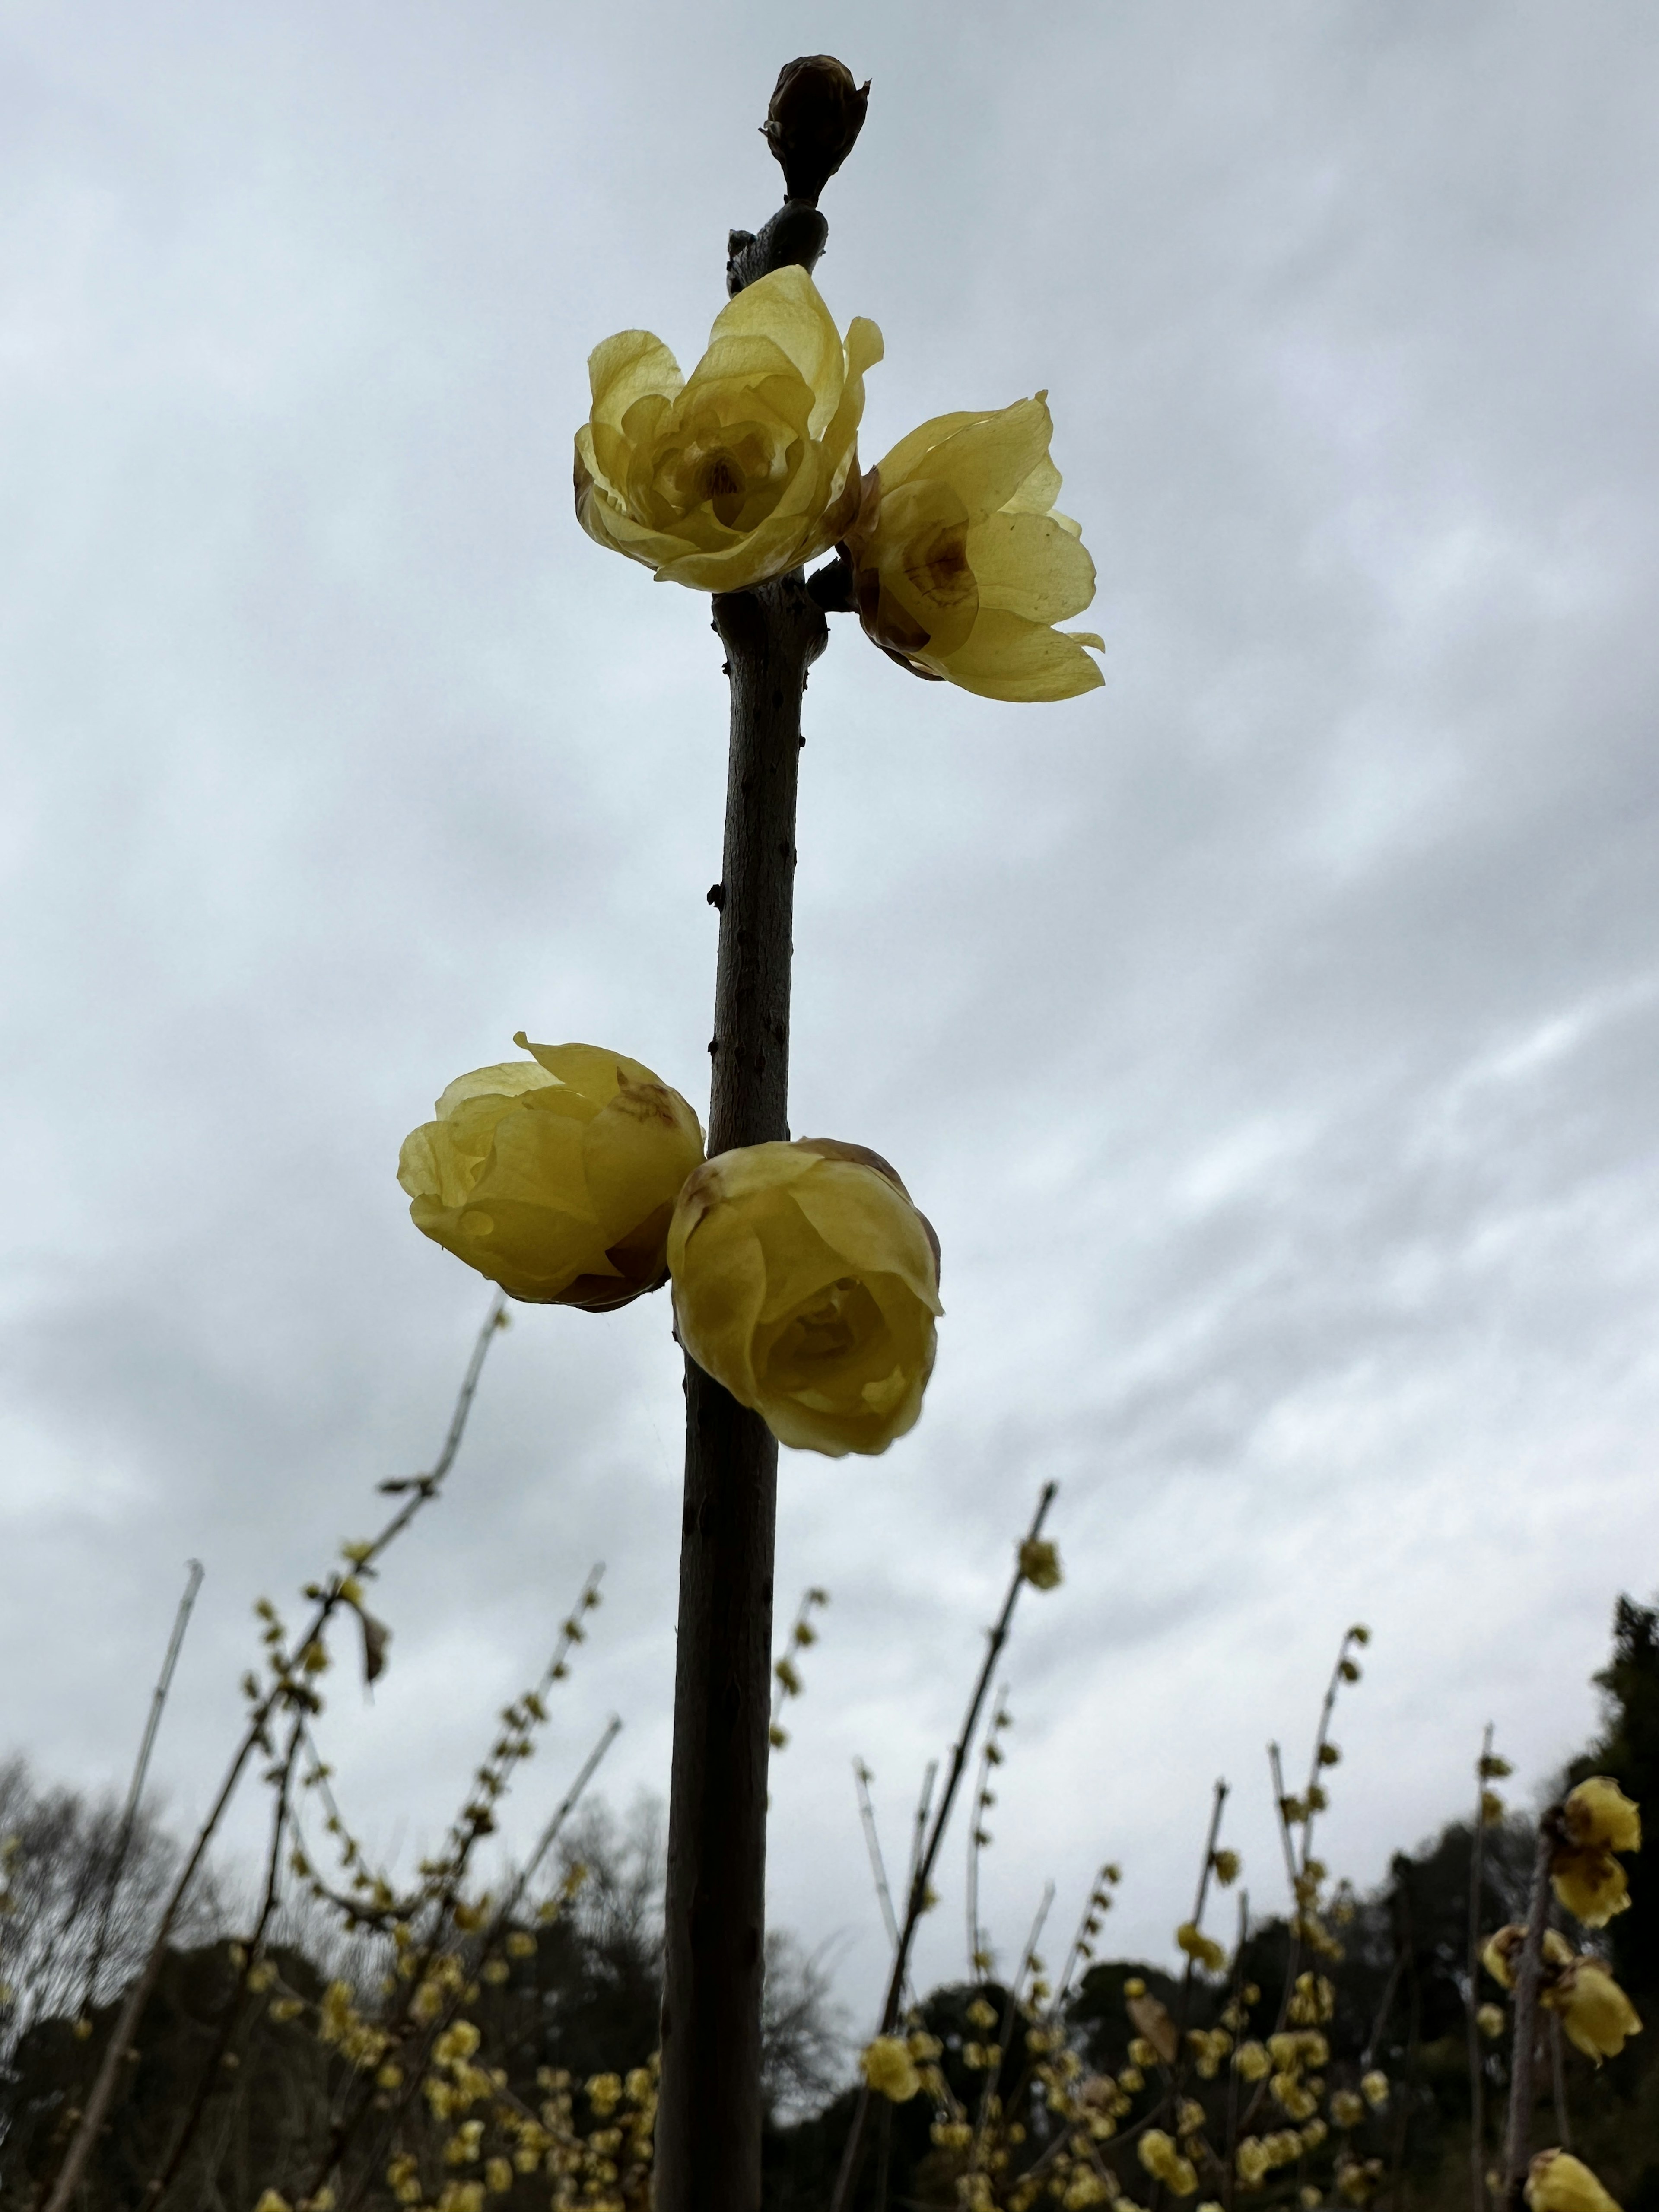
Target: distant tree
{"points": [[1628, 1752], [75, 1899]]}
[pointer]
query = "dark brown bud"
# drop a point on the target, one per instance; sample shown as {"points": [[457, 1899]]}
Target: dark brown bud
{"points": [[814, 121]]}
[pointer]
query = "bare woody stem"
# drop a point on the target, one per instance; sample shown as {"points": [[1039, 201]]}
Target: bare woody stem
{"points": [[709, 2117], [1477, 2062], [1529, 1976]]}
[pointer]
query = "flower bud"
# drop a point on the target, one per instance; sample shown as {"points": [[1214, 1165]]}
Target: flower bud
{"points": [[746, 468], [807, 1283], [813, 122], [960, 565], [555, 1177]]}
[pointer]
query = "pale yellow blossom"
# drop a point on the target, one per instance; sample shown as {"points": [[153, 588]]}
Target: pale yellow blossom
{"points": [[745, 469], [555, 1177], [961, 567], [889, 2069], [1596, 2014], [1558, 2182], [807, 1283]]}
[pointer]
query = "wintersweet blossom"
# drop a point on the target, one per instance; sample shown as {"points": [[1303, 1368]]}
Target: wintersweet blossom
{"points": [[1558, 2182], [1039, 1563], [961, 567], [807, 1283], [1597, 1819], [1596, 2014], [1161, 2157], [889, 2070], [1203, 1950], [1503, 1953], [555, 1177], [742, 470]]}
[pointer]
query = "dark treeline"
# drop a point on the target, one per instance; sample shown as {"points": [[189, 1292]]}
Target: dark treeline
{"points": [[581, 1999]]}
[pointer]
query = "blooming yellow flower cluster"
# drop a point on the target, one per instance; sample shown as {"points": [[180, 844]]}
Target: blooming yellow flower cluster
{"points": [[1167, 2162], [960, 565], [1596, 2016], [1597, 1820], [555, 1177], [805, 1280]]}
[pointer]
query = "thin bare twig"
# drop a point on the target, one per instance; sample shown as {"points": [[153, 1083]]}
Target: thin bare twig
{"points": [[861, 1779], [135, 1788], [1477, 2056], [979, 1960]]}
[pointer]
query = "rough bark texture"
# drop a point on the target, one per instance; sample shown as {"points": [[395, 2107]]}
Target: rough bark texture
{"points": [[709, 2117]]}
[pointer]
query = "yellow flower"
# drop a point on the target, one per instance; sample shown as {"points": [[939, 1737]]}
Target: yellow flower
{"points": [[1254, 2161], [1374, 2088], [889, 2070], [960, 565], [1557, 2182], [1203, 1950], [1226, 1865], [1161, 2158], [1595, 2011], [806, 1282], [746, 468], [1598, 1812], [1252, 2061], [1503, 1953], [1346, 2109], [555, 1177], [1039, 1563], [1591, 1884], [1491, 2021], [1597, 1819]]}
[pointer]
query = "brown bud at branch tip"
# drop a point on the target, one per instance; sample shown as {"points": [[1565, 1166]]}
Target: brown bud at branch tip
{"points": [[813, 122]]}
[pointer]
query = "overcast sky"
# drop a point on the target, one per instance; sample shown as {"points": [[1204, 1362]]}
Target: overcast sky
{"points": [[1272, 1035]]}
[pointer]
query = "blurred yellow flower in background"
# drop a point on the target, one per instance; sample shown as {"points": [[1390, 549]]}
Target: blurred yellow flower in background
{"points": [[1203, 1950], [746, 468], [889, 2070], [555, 1177], [960, 565], [1162, 2158], [807, 1283]]}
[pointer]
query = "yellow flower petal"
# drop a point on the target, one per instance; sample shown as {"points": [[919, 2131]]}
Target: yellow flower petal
{"points": [[960, 565], [555, 1177], [746, 468], [1558, 2182], [805, 1282]]}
